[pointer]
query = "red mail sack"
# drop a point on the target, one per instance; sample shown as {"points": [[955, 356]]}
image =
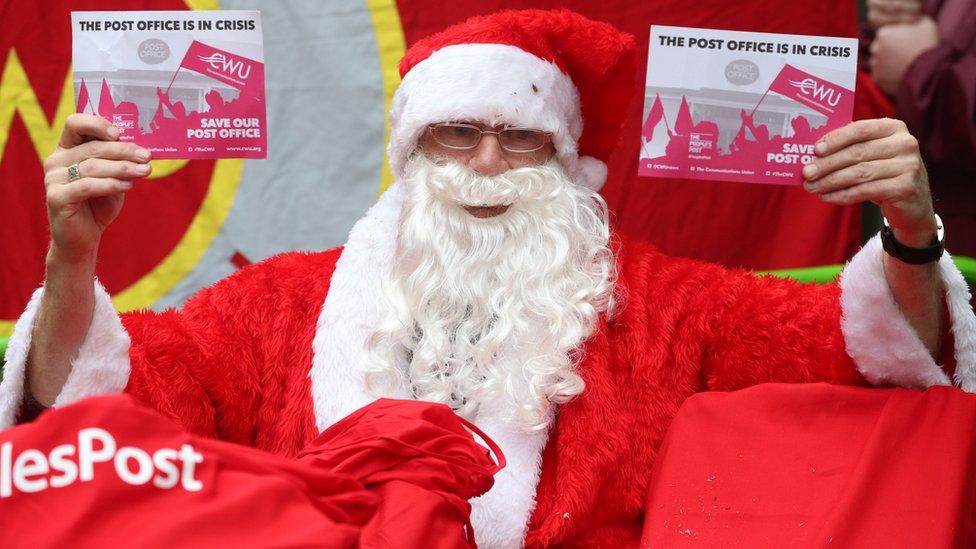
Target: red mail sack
{"points": [[108, 472], [816, 465], [421, 462]]}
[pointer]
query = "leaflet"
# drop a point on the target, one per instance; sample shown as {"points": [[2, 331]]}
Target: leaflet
{"points": [[183, 84], [742, 106]]}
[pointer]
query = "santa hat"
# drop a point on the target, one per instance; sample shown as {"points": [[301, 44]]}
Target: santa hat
{"points": [[549, 70]]}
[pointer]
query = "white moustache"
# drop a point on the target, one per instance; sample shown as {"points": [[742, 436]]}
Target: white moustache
{"points": [[455, 183]]}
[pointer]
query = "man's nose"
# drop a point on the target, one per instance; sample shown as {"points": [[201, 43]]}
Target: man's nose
{"points": [[488, 157]]}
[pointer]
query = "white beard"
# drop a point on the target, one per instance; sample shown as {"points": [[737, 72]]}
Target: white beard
{"points": [[491, 312]]}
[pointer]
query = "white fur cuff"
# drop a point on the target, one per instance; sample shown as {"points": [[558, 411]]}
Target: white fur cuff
{"points": [[879, 338], [101, 367]]}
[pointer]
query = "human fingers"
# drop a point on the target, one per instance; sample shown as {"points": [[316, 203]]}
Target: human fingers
{"points": [[875, 48], [865, 151], [861, 173], [894, 7], [874, 191], [110, 150], [79, 128], [902, 199], [880, 18], [857, 132], [891, 4], [61, 196], [100, 168]]}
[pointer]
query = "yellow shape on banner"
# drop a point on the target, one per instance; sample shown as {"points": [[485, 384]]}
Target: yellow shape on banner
{"points": [[391, 46], [203, 4], [162, 168], [17, 95]]}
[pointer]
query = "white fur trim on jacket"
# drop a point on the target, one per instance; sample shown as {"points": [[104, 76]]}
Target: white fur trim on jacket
{"points": [[879, 338], [351, 311], [494, 84], [501, 516], [101, 367]]}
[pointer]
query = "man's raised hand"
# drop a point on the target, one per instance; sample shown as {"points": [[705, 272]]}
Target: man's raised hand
{"points": [[876, 160], [80, 210]]}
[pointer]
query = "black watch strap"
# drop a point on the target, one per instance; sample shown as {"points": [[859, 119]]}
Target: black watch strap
{"points": [[915, 256]]}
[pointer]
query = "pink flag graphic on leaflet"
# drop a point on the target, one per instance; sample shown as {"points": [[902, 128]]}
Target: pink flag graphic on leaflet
{"points": [[827, 98], [653, 118], [82, 97], [106, 107], [231, 69], [684, 123]]}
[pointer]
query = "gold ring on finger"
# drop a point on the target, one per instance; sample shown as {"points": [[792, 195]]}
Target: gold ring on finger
{"points": [[74, 173]]}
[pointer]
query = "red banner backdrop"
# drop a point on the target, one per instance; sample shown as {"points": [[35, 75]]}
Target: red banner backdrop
{"points": [[168, 223]]}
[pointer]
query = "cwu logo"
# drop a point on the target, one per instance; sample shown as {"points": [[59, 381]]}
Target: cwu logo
{"points": [[233, 67], [819, 91]]}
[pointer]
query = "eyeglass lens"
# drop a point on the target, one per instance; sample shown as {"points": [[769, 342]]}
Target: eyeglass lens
{"points": [[462, 136]]}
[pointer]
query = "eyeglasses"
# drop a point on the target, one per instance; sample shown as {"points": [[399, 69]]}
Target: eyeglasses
{"points": [[466, 137]]}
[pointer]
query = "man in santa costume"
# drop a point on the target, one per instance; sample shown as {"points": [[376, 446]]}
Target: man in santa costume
{"points": [[488, 278]]}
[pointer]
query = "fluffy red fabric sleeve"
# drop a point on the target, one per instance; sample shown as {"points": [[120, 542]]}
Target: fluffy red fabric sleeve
{"points": [[233, 363], [767, 329], [740, 329]]}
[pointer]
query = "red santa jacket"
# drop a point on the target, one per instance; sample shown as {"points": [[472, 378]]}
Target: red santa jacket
{"points": [[234, 365]]}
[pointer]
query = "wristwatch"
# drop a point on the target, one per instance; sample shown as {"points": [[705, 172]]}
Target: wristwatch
{"points": [[915, 256]]}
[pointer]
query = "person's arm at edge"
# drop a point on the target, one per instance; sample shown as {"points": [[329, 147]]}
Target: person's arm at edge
{"points": [[79, 210], [62, 322], [918, 290]]}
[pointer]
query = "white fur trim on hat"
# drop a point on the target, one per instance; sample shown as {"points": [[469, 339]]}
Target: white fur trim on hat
{"points": [[494, 84], [592, 173], [879, 338], [101, 367]]}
